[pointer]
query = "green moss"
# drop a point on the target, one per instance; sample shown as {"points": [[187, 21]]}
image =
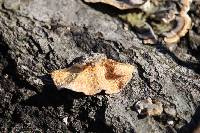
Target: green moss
{"points": [[141, 19], [134, 19], [161, 27]]}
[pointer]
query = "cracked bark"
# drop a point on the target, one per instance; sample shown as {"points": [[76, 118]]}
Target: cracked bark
{"points": [[38, 37]]}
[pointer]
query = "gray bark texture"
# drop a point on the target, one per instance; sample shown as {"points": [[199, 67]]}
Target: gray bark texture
{"points": [[39, 36]]}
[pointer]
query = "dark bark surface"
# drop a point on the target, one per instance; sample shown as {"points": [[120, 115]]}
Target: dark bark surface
{"points": [[39, 36]]}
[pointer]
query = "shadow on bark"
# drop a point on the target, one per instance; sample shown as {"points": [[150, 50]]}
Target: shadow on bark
{"points": [[190, 65], [76, 104]]}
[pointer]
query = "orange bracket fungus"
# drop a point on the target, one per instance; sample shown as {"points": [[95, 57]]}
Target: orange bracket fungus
{"points": [[183, 24], [95, 74]]}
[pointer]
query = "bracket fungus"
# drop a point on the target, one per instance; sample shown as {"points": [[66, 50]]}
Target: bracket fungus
{"points": [[149, 107], [166, 19], [95, 74], [120, 4], [183, 24]]}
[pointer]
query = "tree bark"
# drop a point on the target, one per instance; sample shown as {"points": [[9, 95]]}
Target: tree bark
{"points": [[39, 36]]}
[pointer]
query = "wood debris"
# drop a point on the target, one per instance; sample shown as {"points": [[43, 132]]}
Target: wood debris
{"points": [[95, 74], [149, 107], [171, 111]]}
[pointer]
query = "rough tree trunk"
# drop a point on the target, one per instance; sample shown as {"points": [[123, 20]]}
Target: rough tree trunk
{"points": [[39, 36]]}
